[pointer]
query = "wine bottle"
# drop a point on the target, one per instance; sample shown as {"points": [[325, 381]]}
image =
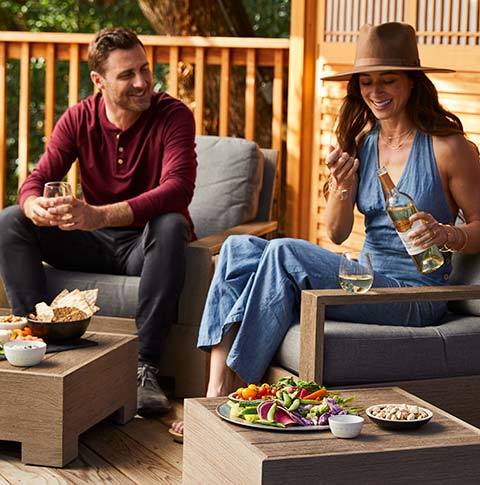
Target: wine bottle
{"points": [[400, 207]]}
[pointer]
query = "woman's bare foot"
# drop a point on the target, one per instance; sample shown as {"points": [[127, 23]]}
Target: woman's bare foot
{"points": [[176, 430]]}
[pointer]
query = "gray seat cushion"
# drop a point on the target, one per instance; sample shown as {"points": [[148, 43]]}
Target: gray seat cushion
{"points": [[359, 353], [229, 179], [117, 294]]}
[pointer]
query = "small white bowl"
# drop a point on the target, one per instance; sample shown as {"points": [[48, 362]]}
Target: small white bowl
{"points": [[346, 425], [5, 325], [24, 353]]}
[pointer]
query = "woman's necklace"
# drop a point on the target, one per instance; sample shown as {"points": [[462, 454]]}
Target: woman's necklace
{"points": [[403, 138]]}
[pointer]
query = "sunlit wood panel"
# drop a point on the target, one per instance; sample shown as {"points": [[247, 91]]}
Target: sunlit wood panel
{"points": [[24, 114], [277, 101], [224, 111], [50, 80], [250, 95], [199, 92], [3, 122], [173, 72], [73, 93]]}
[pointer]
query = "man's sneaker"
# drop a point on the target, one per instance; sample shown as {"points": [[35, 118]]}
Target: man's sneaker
{"points": [[150, 397]]}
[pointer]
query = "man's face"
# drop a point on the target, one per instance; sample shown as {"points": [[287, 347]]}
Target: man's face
{"points": [[127, 81]]}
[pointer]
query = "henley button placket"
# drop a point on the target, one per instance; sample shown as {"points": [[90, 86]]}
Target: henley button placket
{"points": [[120, 150]]}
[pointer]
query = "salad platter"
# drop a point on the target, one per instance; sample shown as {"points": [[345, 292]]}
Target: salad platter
{"points": [[288, 405], [224, 412]]}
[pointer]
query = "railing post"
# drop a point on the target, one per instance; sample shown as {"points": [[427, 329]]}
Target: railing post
{"points": [[24, 114], [3, 123], [199, 88]]}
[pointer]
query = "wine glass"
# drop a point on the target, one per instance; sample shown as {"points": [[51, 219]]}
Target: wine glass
{"points": [[355, 275], [57, 189]]}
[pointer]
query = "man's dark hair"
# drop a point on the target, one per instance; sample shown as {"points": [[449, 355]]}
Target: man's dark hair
{"points": [[106, 41]]}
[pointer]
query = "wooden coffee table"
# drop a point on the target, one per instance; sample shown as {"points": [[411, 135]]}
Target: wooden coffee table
{"points": [[46, 407], [445, 450]]}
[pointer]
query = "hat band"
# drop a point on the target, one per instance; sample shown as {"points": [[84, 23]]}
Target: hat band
{"points": [[377, 61]]}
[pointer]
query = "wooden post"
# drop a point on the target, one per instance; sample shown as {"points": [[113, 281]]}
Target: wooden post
{"points": [[312, 329], [301, 96], [24, 113], [3, 122]]}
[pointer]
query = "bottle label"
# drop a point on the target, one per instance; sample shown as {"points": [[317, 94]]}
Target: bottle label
{"points": [[407, 242]]}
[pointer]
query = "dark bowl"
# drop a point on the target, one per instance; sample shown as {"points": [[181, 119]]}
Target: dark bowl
{"points": [[58, 331], [398, 424]]}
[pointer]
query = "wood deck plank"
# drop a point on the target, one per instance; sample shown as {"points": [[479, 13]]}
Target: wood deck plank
{"points": [[132, 458]]}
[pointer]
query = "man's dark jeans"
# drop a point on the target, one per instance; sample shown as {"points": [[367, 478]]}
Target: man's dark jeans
{"points": [[156, 253]]}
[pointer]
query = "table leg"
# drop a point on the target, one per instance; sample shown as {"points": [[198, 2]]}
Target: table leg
{"points": [[55, 452]]}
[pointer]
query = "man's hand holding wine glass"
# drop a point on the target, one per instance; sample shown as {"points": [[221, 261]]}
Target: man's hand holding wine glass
{"points": [[53, 207]]}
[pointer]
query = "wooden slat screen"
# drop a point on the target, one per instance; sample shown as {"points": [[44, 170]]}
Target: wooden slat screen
{"points": [[198, 54]]}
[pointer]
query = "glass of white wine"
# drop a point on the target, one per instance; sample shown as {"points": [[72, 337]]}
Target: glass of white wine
{"points": [[355, 275], [57, 189]]}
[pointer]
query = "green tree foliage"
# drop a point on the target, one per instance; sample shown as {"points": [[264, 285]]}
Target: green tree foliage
{"points": [[269, 18], [71, 15]]}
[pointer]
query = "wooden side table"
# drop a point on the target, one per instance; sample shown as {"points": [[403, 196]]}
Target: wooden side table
{"points": [[444, 451], [48, 406]]}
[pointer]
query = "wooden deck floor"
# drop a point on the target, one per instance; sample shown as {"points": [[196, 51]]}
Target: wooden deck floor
{"points": [[140, 452]]}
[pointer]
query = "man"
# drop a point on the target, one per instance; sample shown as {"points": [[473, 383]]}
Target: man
{"points": [[137, 165]]}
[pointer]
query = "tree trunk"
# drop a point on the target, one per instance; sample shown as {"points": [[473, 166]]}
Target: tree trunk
{"points": [[225, 18]]}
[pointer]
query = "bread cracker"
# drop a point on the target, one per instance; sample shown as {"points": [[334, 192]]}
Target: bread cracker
{"points": [[44, 312], [75, 299], [90, 296], [63, 293]]}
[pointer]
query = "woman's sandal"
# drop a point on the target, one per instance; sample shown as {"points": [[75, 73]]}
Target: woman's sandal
{"points": [[177, 437]]}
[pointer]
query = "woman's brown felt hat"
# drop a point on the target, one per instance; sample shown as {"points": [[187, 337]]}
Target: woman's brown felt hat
{"points": [[386, 47]]}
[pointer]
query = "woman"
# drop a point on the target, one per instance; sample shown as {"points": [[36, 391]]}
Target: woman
{"points": [[390, 117]]}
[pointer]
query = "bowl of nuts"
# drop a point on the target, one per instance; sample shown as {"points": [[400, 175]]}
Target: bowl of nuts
{"points": [[10, 322], [399, 416], [66, 318]]}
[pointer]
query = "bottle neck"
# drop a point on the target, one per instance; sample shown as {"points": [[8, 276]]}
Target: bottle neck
{"points": [[386, 181]]}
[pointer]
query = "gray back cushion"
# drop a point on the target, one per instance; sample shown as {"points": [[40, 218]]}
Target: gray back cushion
{"points": [[229, 179], [466, 271]]}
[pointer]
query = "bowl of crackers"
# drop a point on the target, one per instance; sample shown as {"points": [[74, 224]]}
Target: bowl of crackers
{"points": [[66, 318]]}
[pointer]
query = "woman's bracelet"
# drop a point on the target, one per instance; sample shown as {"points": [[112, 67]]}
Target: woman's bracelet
{"points": [[447, 248], [343, 192]]}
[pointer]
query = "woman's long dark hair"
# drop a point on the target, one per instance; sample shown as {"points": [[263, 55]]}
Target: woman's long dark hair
{"points": [[423, 108]]}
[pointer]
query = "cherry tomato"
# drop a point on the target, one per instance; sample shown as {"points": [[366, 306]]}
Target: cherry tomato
{"points": [[262, 391]]}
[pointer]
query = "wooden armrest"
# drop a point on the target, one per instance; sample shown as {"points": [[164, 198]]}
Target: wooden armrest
{"points": [[312, 315], [214, 242], [382, 295]]}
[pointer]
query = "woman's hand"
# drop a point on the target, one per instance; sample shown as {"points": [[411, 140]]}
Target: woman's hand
{"points": [[343, 169], [342, 187], [429, 232]]}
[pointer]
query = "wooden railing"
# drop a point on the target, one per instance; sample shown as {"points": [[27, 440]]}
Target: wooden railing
{"points": [[254, 55]]}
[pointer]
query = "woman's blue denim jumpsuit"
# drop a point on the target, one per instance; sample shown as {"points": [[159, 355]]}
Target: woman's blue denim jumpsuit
{"points": [[258, 283]]}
